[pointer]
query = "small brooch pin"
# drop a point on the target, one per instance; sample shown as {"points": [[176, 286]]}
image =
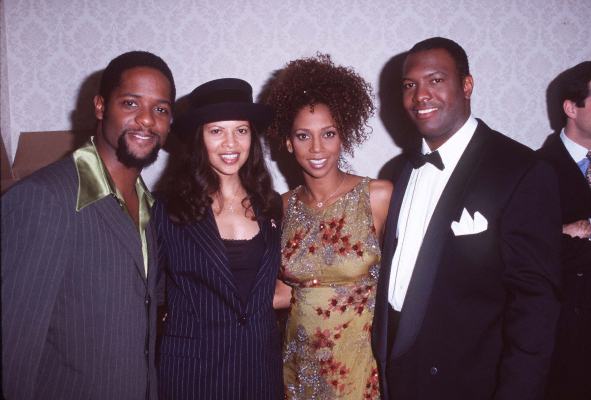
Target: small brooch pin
{"points": [[273, 224]]}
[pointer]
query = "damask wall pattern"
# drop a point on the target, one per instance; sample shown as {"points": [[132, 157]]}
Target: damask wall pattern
{"points": [[54, 50]]}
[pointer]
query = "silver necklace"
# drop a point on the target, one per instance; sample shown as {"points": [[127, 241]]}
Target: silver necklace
{"points": [[230, 206], [320, 204]]}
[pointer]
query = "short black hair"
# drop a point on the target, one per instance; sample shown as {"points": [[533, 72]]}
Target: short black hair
{"points": [[453, 49], [574, 83], [112, 74]]}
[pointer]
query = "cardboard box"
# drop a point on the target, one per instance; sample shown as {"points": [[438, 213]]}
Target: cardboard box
{"points": [[37, 149], [7, 178]]}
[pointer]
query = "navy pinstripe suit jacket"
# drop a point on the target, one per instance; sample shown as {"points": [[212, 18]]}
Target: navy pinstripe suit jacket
{"points": [[77, 320], [214, 346]]}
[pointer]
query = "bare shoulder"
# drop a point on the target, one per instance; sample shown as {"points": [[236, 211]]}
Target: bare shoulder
{"points": [[380, 192]]}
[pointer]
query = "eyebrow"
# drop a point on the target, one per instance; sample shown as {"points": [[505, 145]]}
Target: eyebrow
{"points": [[322, 129], [137, 96], [404, 78], [214, 124]]}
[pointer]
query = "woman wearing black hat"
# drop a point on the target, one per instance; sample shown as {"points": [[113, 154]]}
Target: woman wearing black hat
{"points": [[219, 235]]}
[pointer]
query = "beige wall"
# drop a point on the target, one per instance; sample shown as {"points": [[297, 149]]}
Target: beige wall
{"points": [[53, 50]]}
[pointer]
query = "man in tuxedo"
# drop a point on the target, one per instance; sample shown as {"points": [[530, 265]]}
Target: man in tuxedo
{"points": [[569, 152], [78, 252], [466, 304]]}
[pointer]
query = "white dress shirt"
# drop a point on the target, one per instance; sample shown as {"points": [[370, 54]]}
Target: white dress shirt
{"points": [[576, 151], [422, 193]]}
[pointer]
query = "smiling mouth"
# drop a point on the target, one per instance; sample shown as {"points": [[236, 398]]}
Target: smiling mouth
{"points": [[424, 112], [318, 163], [230, 158], [141, 137]]}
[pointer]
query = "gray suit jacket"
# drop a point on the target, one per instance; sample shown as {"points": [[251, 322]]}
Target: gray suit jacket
{"points": [[78, 320]]}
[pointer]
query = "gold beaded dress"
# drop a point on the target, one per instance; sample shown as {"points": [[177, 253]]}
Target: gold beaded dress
{"points": [[330, 256]]}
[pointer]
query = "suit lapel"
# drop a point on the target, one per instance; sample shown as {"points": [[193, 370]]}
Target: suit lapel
{"points": [[439, 230], [380, 324], [207, 237], [122, 226], [152, 243], [268, 229], [568, 168]]}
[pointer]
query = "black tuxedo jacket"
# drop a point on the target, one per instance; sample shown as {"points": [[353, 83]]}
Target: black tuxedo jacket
{"points": [[214, 345], [479, 315]]}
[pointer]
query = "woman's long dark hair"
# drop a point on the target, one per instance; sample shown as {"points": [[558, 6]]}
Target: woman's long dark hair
{"points": [[188, 189]]}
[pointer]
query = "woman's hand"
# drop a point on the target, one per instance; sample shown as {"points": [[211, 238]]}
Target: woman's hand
{"points": [[282, 297]]}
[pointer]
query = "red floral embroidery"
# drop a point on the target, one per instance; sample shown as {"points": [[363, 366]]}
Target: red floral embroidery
{"points": [[293, 244], [356, 298], [372, 389], [334, 370], [321, 339], [330, 236]]}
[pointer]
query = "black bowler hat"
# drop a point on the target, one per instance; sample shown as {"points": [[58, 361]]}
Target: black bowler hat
{"points": [[226, 99]]}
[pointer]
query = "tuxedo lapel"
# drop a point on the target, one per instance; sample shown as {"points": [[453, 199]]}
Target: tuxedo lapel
{"points": [[393, 213], [428, 260], [380, 323], [122, 226]]}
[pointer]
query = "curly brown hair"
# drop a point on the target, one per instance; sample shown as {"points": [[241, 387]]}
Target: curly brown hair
{"points": [[317, 80]]}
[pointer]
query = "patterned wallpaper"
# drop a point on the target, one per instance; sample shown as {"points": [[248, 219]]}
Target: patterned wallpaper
{"points": [[55, 48]]}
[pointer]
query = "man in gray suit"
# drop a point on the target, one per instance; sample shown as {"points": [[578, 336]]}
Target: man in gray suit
{"points": [[79, 266]]}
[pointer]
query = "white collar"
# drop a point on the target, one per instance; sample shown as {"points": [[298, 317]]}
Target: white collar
{"points": [[576, 151], [454, 147]]}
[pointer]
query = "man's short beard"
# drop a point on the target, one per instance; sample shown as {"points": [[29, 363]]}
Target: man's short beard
{"points": [[130, 160]]}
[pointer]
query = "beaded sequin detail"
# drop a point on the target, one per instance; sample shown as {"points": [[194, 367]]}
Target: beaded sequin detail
{"points": [[331, 257]]}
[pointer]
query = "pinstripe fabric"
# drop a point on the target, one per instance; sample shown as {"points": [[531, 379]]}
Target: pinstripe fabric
{"points": [[75, 324], [214, 346]]}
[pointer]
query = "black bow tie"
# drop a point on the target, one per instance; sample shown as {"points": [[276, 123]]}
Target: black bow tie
{"points": [[418, 159]]}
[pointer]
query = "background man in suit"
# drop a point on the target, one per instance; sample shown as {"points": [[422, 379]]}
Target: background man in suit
{"points": [[570, 154], [466, 304], [78, 252]]}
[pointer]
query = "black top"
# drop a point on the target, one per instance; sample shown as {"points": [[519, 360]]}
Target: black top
{"points": [[245, 257]]}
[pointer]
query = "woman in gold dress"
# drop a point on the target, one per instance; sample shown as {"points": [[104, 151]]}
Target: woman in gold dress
{"points": [[331, 232]]}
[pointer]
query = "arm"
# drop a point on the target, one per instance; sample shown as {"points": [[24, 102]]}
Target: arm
{"points": [[282, 296], [530, 245], [380, 193], [576, 247], [35, 251], [576, 253], [578, 229]]}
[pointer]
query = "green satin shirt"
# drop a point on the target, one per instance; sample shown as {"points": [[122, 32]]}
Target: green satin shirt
{"points": [[95, 183]]}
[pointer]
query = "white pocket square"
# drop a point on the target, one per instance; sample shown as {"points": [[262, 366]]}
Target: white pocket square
{"points": [[468, 225]]}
